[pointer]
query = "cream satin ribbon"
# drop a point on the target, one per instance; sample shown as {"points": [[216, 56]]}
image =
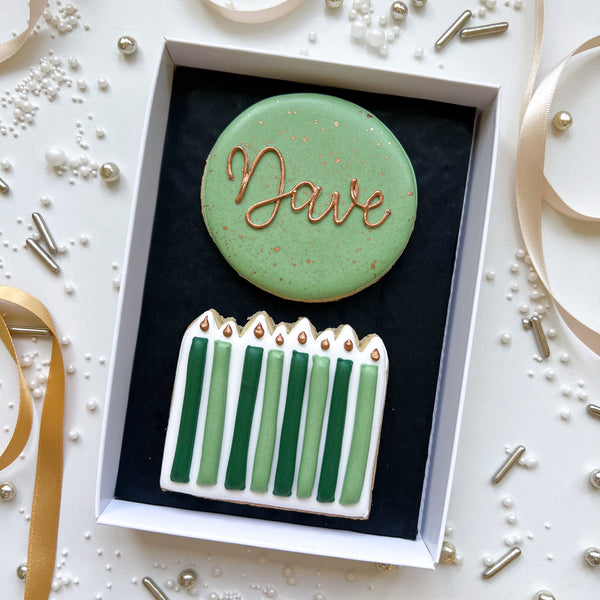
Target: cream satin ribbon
{"points": [[12, 46], [45, 510], [531, 185]]}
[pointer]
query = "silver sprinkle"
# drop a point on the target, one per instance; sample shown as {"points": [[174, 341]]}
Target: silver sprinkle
{"points": [[43, 255], [535, 323], [506, 559], [28, 330], [540, 336], [510, 461], [151, 586], [470, 33], [592, 557], [453, 29], [40, 223], [594, 410], [4, 189]]}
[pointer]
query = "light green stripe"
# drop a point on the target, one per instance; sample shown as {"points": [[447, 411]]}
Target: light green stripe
{"points": [[263, 459], [361, 436], [215, 415], [317, 399]]}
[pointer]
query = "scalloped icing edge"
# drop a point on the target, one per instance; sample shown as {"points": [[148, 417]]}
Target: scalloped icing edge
{"points": [[360, 353]]}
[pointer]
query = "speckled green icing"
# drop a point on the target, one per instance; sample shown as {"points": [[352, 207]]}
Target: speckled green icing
{"points": [[269, 205]]}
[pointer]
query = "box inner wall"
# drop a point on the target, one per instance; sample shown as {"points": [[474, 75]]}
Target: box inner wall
{"points": [[186, 275]]}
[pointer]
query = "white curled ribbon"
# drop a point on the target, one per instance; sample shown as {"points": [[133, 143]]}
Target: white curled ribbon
{"points": [[12, 46], [531, 185]]}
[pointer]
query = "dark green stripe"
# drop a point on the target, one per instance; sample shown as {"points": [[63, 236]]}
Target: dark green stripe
{"points": [[335, 432], [235, 478], [180, 471], [288, 444]]}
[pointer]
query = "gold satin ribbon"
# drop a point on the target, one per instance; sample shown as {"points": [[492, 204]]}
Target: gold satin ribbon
{"points": [[12, 46], [45, 510]]}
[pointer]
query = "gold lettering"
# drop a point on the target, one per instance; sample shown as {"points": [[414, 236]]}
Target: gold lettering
{"points": [[373, 201]]}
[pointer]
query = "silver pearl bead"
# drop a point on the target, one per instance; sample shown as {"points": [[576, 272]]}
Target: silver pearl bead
{"points": [[595, 478], [334, 3], [418, 3], [109, 172], [22, 572], [544, 595], [398, 10], [592, 557], [562, 120], [127, 45], [7, 491], [448, 554], [187, 579]]}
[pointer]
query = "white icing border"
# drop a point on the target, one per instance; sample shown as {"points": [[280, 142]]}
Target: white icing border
{"points": [[267, 342]]}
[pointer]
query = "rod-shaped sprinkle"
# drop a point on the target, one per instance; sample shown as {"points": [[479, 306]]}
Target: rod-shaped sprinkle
{"points": [[43, 255], [507, 465], [504, 560], [470, 33], [453, 29], [153, 588], [40, 223], [28, 330]]}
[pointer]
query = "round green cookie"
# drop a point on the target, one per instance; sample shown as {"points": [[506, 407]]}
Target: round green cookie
{"points": [[309, 197]]}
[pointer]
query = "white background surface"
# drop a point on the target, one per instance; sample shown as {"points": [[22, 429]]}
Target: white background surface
{"points": [[509, 399]]}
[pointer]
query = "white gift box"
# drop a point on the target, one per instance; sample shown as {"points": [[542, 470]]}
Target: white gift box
{"points": [[424, 551]]}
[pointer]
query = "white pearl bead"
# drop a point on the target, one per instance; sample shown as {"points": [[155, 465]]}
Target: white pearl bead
{"points": [[419, 53], [375, 38], [312, 36], [491, 4], [102, 83], [383, 50], [365, 8], [352, 14], [55, 156], [358, 29], [73, 435], [383, 20]]}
